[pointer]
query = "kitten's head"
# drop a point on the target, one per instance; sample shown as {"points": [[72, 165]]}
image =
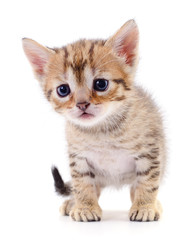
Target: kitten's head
{"points": [[89, 80]]}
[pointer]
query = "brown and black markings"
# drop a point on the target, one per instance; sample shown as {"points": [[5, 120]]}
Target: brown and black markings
{"points": [[76, 174], [122, 82]]}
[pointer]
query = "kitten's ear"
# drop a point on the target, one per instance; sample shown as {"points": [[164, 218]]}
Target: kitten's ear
{"points": [[37, 55], [125, 42]]}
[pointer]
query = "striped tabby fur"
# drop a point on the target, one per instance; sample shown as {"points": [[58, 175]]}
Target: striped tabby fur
{"points": [[115, 136]]}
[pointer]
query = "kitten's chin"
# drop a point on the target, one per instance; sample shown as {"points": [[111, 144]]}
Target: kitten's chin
{"points": [[86, 120]]}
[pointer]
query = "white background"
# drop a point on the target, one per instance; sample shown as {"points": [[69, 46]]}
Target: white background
{"points": [[32, 134]]}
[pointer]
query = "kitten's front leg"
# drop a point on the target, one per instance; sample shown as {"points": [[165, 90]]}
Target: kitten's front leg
{"points": [[144, 191], [85, 192]]}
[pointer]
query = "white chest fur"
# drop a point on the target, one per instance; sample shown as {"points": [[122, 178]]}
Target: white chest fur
{"points": [[110, 161]]}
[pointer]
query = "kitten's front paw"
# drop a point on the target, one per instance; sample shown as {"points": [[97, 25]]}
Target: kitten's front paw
{"points": [[144, 213], [86, 214]]}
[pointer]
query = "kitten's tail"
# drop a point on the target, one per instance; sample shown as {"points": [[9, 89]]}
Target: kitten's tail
{"points": [[60, 187]]}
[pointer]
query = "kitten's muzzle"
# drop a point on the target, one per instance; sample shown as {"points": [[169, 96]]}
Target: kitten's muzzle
{"points": [[83, 105]]}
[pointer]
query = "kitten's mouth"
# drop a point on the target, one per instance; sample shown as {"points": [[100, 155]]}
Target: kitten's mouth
{"points": [[85, 115]]}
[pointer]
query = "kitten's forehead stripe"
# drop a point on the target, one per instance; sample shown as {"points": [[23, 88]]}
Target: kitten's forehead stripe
{"points": [[91, 50], [78, 66], [100, 42], [66, 52]]}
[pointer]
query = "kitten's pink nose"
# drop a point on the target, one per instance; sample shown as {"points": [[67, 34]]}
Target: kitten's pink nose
{"points": [[83, 105]]}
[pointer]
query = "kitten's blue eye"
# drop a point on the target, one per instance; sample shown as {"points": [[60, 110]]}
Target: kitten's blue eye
{"points": [[100, 85], [63, 90]]}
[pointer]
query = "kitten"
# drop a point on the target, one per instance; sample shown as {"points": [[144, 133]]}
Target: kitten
{"points": [[113, 128]]}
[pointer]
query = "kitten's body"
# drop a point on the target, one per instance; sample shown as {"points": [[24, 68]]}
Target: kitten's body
{"points": [[115, 135], [111, 154]]}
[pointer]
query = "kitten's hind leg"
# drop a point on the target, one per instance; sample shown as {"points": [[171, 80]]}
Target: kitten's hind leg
{"points": [[66, 207]]}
